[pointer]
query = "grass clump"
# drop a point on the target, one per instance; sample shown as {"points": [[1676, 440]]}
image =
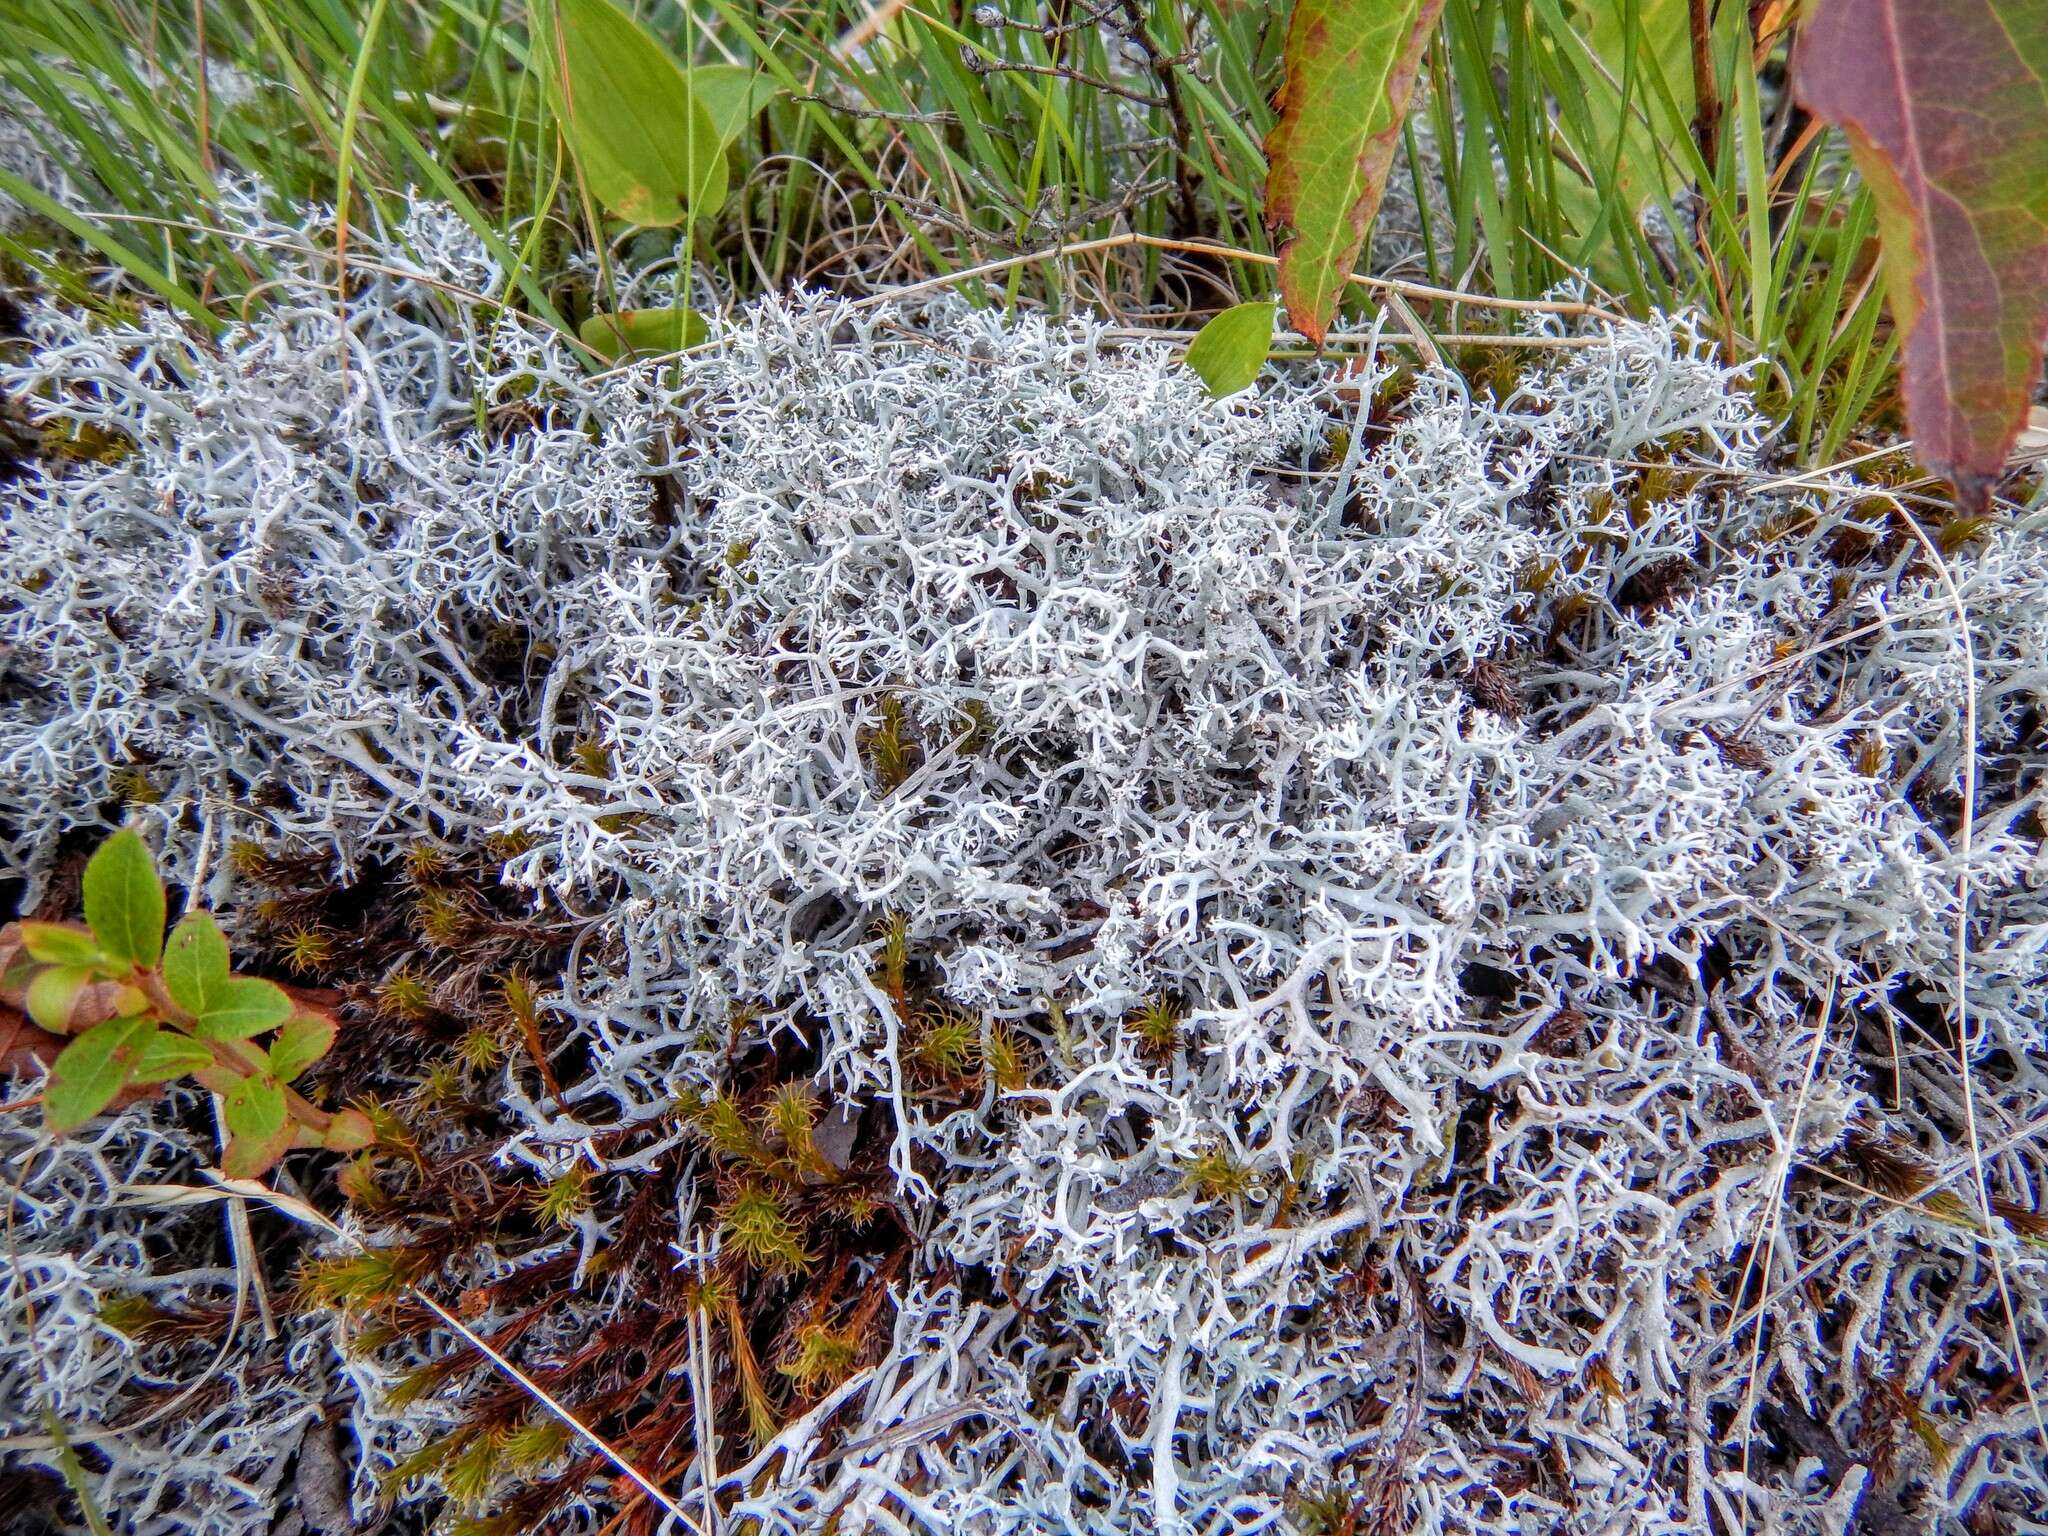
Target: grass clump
{"points": [[1550, 140]]}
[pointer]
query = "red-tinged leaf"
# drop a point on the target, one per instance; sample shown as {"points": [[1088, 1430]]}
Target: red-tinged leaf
{"points": [[250, 1156], [24, 1044], [1350, 71], [66, 1008], [216, 1078], [17, 965], [255, 1114], [195, 963], [349, 1131], [1946, 111], [67, 1000], [26, 1048]]}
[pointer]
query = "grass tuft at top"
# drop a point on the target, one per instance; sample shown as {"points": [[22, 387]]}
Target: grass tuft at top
{"points": [[1553, 141]]}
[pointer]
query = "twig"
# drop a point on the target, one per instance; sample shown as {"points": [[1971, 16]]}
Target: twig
{"points": [[1568, 309], [702, 1403], [1773, 1216], [1176, 109], [1362, 338], [976, 64], [1706, 91], [943, 119]]}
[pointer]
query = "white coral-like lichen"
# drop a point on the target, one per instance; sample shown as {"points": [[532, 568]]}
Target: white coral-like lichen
{"points": [[1519, 853], [111, 1308]]}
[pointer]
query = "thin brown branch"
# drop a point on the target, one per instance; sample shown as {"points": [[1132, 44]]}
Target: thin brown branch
{"points": [[1706, 90]]}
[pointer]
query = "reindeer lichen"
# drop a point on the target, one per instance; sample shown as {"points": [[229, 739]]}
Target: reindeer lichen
{"points": [[1327, 960]]}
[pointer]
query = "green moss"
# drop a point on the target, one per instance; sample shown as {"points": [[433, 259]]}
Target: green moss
{"points": [[756, 1226], [1215, 1175], [1158, 1024]]}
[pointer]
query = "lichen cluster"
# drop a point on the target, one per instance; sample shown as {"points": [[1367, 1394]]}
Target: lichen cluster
{"points": [[1373, 955]]}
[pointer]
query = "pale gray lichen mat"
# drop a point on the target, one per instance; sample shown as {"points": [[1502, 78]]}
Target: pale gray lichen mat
{"points": [[1542, 844]]}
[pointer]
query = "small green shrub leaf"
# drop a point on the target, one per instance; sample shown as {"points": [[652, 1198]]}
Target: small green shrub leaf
{"points": [[163, 1056], [1350, 70], [1230, 350], [244, 1006], [124, 900], [643, 332], [59, 944], [303, 1040], [89, 1072], [646, 146], [196, 963], [54, 996], [254, 1107]]}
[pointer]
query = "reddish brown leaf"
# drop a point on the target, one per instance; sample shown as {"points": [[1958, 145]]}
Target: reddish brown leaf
{"points": [[1946, 109], [23, 1044], [1350, 70]]}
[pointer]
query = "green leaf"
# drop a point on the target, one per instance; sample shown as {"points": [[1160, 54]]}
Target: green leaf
{"points": [[243, 1007], [1350, 70], [731, 95], [303, 1040], [195, 963], [254, 1107], [1946, 111], [54, 995], [89, 1072], [59, 944], [1230, 350], [643, 332], [259, 1129], [124, 900], [164, 1056], [646, 146]]}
